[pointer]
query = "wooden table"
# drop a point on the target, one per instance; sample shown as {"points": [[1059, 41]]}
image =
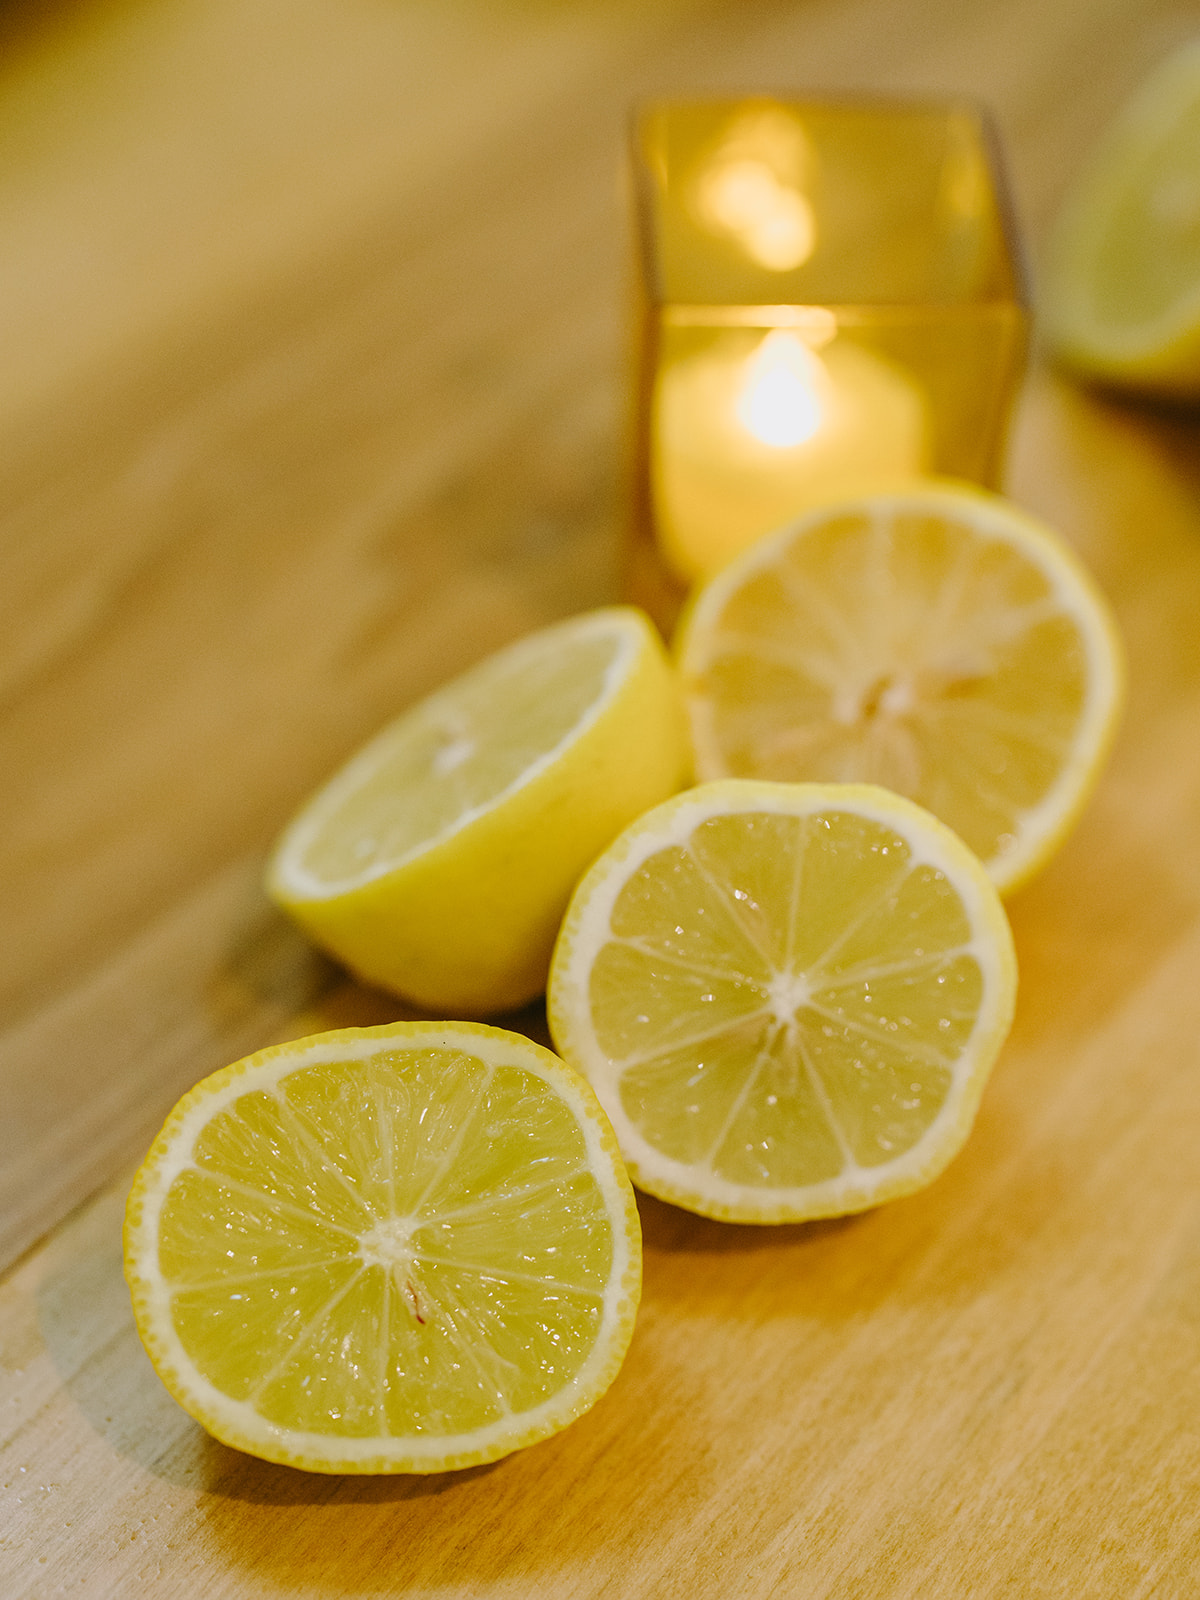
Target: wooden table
{"points": [[311, 390]]}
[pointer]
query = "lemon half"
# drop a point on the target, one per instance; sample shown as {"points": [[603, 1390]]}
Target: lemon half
{"points": [[1121, 296], [395, 1249], [788, 997], [936, 641], [438, 862]]}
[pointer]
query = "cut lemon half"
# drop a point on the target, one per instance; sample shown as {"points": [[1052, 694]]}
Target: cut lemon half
{"points": [[935, 641], [788, 997], [396, 1249], [1122, 289], [439, 861]]}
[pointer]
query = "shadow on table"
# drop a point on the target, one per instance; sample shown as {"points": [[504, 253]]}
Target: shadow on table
{"points": [[276, 1523], [272, 965]]}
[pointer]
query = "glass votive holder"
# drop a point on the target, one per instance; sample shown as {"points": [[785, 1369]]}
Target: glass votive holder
{"points": [[828, 299]]}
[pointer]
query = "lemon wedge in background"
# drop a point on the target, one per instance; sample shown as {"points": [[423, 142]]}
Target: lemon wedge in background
{"points": [[934, 640], [394, 1249], [787, 997], [1122, 286], [439, 861]]}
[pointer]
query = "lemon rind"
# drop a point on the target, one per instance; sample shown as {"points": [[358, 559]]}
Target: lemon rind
{"points": [[236, 1423], [587, 924]]}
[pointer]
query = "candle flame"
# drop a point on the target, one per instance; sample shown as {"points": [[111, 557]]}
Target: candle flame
{"points": [[784, 398]]}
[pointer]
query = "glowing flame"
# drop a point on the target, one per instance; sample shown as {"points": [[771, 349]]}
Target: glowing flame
{"points": [[786, 393]]}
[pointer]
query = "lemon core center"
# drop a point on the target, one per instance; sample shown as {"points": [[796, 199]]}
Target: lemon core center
{"points": [[788, 992], [389, 1244], [892, 695]]}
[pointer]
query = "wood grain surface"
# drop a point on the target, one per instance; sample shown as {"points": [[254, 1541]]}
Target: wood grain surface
{"points": [[312, 389]]}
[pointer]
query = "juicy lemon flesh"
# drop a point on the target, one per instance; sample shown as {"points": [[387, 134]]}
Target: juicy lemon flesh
{"points": [[803, 1021], [404, 1250], [908, 650], [456, 753]]}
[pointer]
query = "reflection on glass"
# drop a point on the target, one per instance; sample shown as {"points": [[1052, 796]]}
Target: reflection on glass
{"points": [[751, 188]]}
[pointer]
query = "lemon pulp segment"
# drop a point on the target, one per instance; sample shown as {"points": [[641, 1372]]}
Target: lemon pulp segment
{"points": [[444, 762]]}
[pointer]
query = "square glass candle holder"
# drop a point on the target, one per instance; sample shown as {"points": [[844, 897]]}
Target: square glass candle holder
{"points": [[828, 299]]}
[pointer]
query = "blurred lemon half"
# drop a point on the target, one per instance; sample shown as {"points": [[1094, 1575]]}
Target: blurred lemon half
{"points": [[1122, 285]]}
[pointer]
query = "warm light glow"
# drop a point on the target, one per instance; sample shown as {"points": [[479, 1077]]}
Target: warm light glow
{"points": [[751, 428], [751, 187], [784, 397], [773, 223]]}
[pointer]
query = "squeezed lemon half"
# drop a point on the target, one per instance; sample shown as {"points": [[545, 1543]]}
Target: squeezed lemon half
{"points": [[936, 641]]}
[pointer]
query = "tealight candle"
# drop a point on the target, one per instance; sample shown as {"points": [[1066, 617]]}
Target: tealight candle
{"points": [[743, 441], [829, 300]]}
